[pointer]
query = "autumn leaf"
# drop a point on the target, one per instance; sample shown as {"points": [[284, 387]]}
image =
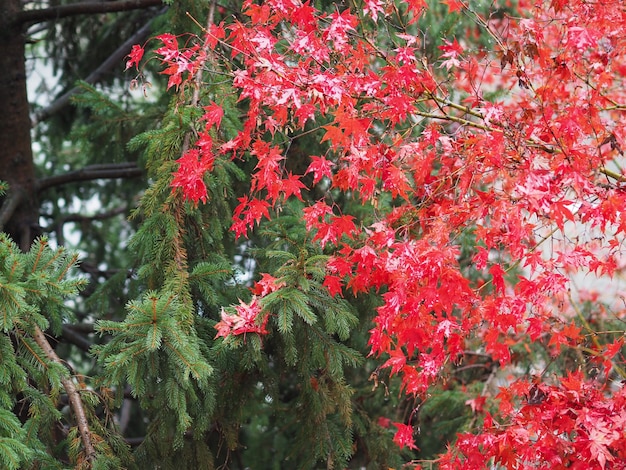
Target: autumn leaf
{"points": [[453, 5], [213, 115], [404, 436], [135, 56], [320, 167], [244, 320], [192, 167]]}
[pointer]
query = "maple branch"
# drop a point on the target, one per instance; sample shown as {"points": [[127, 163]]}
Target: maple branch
{"points": [[596, 351], [91, 172], [611, 174], [447, 117], [198, 78], [72, 393], [82, 8], [112, 61], [457, 106]]}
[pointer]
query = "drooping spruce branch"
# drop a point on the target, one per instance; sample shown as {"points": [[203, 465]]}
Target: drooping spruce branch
{"points": [[82, 8], [91, 172], [114, 60]]}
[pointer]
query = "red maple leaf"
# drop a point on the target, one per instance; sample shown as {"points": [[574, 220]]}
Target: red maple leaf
{"points": [[213, 115], [249, 211], [417, 7], [334, 284], [320, 167], [404, 436], [244, 320], [292, 186], [136, 53], [497, 274], [190, 175], [266, 285], [257, 209], [454, 5]]}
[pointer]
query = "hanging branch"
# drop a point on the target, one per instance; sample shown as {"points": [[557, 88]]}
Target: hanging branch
{"points": [[112, 61], [82, 8], [72, 393], [91, 172]]}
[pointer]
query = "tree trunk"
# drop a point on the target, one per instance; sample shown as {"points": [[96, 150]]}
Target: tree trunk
{"points": [[19, 211]]}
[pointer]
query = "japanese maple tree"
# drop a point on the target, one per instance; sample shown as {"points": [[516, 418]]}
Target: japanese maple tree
{"points": [[514, 144]]}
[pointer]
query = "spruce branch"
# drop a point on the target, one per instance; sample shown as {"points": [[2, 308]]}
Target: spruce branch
{"points": [[73, 395], [81, 8], [114, 60], [91, 172]]}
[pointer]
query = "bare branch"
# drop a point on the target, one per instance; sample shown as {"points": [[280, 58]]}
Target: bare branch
{"points": [[114, 60], [75, 338], [57, 226], [134, 441], [13, 200], [73, 395], [94, 271], [90, 218], [82, 8], [91, 172]]}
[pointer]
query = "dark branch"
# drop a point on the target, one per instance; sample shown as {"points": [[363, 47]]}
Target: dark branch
{"points": [[57, 227], [73, 337], [135, 441], [95, 272], [114, 60], [82, 328], [82, 8], [91, 172], [90, 218], [12, 201]]}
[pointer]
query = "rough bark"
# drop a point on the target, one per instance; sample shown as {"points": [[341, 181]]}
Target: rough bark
{"points": [[19, 211]]}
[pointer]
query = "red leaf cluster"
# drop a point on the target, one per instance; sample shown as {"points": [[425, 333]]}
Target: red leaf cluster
{"points": [[529, 183]]}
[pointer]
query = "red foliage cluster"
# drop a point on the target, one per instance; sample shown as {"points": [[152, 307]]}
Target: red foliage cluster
{"points": [[515, 172]]}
